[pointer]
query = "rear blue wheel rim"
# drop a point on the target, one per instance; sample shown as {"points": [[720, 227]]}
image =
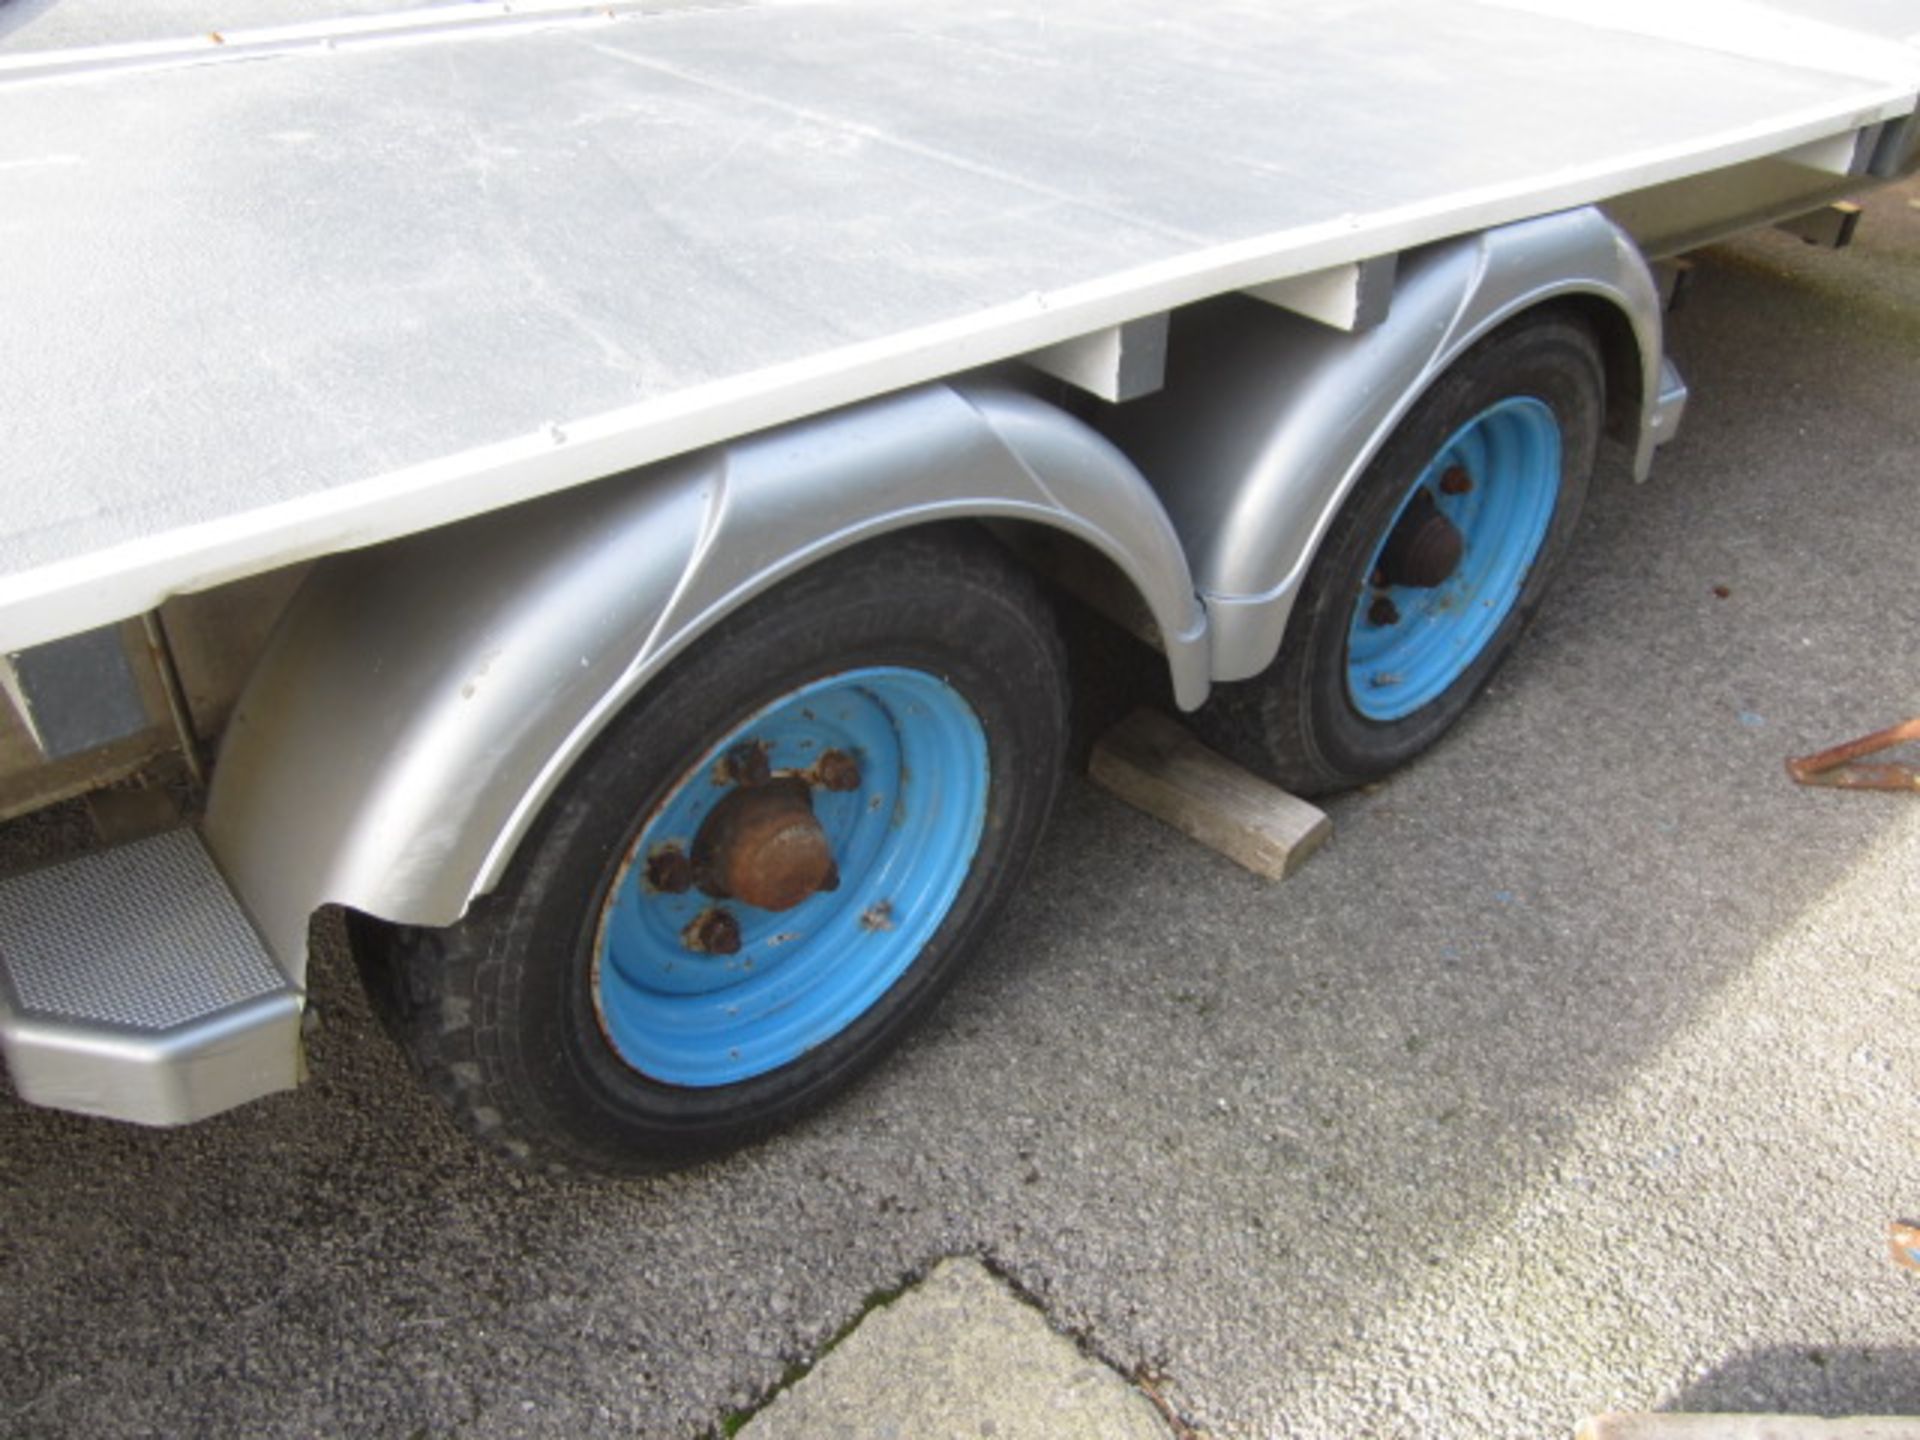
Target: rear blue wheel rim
{"points": [[904, 841], [1511, 454]]}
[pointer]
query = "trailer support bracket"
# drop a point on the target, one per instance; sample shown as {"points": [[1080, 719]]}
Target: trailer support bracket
{"points": [[1347, 297], [1121, 362]]}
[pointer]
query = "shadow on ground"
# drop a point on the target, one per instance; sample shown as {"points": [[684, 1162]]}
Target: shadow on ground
{"points": [[1827, 1380]]}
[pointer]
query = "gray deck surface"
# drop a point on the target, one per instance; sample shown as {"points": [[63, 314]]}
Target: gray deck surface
{"points": [[34, 26], [243, 301]]}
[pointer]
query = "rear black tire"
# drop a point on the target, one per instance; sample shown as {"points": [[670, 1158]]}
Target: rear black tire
{"points": [[1298, 723]]}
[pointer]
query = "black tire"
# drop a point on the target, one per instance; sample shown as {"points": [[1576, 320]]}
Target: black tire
{"points": [[500, 1011], [1298, 723]]}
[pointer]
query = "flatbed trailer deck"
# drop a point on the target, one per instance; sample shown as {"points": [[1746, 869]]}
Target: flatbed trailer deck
{"points": [[367, 279]]}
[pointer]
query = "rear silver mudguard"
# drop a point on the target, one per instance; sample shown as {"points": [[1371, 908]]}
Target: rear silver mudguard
{"points": [[1268, 419], [420, 701]]}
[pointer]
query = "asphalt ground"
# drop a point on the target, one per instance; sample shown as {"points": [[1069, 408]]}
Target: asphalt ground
{"points": [[1578, 1071]]}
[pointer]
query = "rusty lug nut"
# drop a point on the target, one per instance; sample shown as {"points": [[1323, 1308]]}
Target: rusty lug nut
{"points": [[1456, 481], [1383, 611], [836, 770], [746, 764], [712, 932], [669, 871]]}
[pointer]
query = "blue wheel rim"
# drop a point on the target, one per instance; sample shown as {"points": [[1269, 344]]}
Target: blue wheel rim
{"points": [[903, 840], [1405, 654]]}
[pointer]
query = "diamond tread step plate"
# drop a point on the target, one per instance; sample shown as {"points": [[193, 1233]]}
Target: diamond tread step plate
{"points": [[132, 985]]}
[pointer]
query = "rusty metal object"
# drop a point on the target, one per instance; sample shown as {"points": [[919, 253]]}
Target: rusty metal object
{"points": [[745, 764], [835, 770], [1838, 767], [1456, 481], [1383, 611], [712, 932], [762, 845], [1424, 548], [670, 871], [1152, 1384], [1903, 1236]]}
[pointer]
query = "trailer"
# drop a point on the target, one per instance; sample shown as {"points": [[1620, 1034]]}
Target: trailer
{"points": [[581, 490]]}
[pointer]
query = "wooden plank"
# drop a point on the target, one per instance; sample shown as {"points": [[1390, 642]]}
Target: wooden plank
{"points": [[1154, 764]]}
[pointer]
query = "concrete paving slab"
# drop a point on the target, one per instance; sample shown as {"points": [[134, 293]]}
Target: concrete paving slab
{"points": [[958, 1357]]}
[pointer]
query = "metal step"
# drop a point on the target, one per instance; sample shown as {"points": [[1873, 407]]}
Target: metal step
{"points": [[133, 986]]}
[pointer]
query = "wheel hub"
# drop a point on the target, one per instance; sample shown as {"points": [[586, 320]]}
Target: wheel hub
{"points": [[1454, 561], [763, 846], [790, 876], [1425, 547]]}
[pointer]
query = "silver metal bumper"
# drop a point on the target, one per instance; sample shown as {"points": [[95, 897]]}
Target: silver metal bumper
{"points": [[132, 986]]}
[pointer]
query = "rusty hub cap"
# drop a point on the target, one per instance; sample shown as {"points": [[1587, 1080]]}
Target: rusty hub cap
{"points": [[761, 845], [1425, 547]]}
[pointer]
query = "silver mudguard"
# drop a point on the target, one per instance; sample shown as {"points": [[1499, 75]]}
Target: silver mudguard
{"points": [[1268, 420], [420, 701]]}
